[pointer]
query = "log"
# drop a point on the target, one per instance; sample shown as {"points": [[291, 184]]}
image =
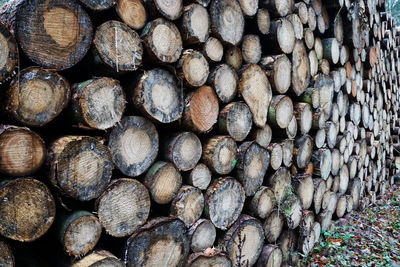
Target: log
{"points": [[341, 206], [209, 259], [233, 57], [292, 210], [37, 96], [132, 13], [227, 21], [95, 5], [160, 238], [303, 150], [275, 150], [123, 207], [9, 52], [263, 135], [213, 49], [249, 8], [297, 26], [319, 190], [303, 114], [235, 119], [7, 257], [278, 70], [273, 226], [280, 183], [244, 241], [287, 243], [224, 80], [263, 20], [201, 110], [79, 166], [300, 68], [280, 111], [163, 181], [156, 34], [251, 49], [29, 209], [252, 164], [195, 24], [156, 94], [183, 149], [78, 232], [219, 154], [282, 36], [200, 176], [304, 188], [287, 152], [224, 200], [202, 235], [134, 145], [256, 92], [279, 8], [192, 68], [118, 46], [322, 161], [169, 9], [97, 103], [99, 258], [188, 205], [262, 203], [271, 255], [22, 151]]}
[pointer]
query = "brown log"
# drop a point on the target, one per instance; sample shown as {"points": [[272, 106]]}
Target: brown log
{"points": [[7, 257], [132, 12], [9, 54], [233, 57]]}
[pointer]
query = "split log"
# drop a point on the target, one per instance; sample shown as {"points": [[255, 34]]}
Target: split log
{"points": [[163, 181], [262, 203], [271, 256], [22, 152], [49, 41], [188, 205], [235, 119], [219, 154], [99, 258], [224, 200], [123, 207], [98, 103], [9, 52], [132, 13], [252, 164], [134, 145], [157, 95], [118, 46], [202, 235], [37, 96], [209, 259], [28, 211], [183, 149], [80, 166], [225, 82], [160, 238], [278, 70], [201, 110], [199, 177]]}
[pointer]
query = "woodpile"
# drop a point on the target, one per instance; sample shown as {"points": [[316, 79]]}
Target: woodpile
{"points": [[191, 133]]}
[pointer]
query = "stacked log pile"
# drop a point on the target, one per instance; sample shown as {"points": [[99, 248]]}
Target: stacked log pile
{"points": [[191, 133]]}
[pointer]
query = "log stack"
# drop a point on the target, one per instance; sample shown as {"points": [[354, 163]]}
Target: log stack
{"points": [[194, 133]]}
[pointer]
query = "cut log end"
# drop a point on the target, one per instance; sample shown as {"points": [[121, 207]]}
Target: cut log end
{"points": [[188, 205], [219, 154], [202, 235], [8, 54], [132, 12]]}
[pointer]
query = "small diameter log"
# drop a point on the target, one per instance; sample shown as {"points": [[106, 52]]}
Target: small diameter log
{"points": [[275, 150], [292, 210], [27, 211], [224, 200], [6, 257], [224, 80], [306, 243], [271, 256], [280, 183], [325, 219], [252, 164], [195, 24], [98, 103], [312, 56], [278, 69], [297, 26], [165, 241], [157, 95], [132, 13], [262, 203], [281, 36], [192, 68], [343, 179], [256, 92], [287, 152], [199, 177], [279, 8], [307, 223], [273, 226], [227, 21], [303, 150], [213, 50], [291, 130], [118, 46], [22, 152], [322, 161], [262, 135], [201, 110], [163, 181], [287, 243], [202, 235], [134, 145], [335, 161], [280, 111], [319, 190], [80, 166], [235, 119], [78, 232], [300, 68], [323, 66], [309, 38], [312, 18], [37, 96], [263, 20], [233, 57], [183, 149], [49, 41], [320, 137], [98, 5], [99, 258], [188, 205], [249, 7], [341, 206], [170, 9], [304, 188], [251, 49], [303, 113], [354, 190], [317, 231], [331, 50], [123, 207], [209, 258], [302, 12], [219, 154], [244, 241], [156, 34], [8, 54]]}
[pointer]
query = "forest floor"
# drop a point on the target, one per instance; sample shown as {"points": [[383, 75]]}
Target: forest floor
{"points": [[370, 237]]}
